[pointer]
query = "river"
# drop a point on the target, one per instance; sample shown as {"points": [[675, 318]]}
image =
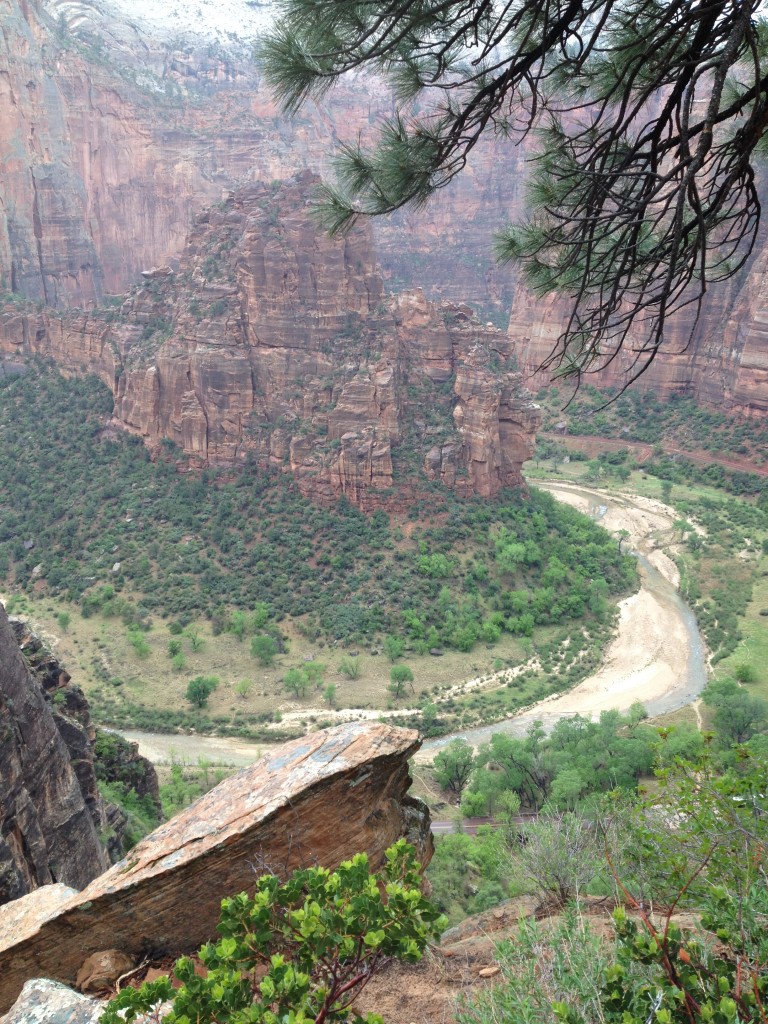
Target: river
{"points": [[657, 657]]}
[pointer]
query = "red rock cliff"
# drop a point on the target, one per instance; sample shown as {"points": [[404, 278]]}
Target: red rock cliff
{"points": [[115, 140], [273, 343]]}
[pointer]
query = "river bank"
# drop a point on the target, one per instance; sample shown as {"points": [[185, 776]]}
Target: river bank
{"points": [[657, 656]]}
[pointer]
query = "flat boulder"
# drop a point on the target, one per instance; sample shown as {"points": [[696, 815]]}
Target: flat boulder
{"points": [[316, 800]]}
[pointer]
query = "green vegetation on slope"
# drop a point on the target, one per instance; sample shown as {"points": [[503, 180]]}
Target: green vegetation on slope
{"points": [[103, 517], [642, 416]]}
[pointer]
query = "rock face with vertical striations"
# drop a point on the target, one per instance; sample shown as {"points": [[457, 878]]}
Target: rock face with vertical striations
{"points": [[721, 360], [116, 136], [273, 344], [317, 800], [47, 832]]}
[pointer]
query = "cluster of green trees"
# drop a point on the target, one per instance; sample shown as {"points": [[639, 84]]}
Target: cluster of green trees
{"points": [[637, 415], [578, 758], [571, 772], [249, 551]]}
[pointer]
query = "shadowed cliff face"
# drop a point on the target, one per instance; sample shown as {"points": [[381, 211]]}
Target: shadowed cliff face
{"points": [[47, 833], [271, 343]]}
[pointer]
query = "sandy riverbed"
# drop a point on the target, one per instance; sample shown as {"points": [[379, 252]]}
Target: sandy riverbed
{"points": [[649, 658], [647, 661], [649, 654]]}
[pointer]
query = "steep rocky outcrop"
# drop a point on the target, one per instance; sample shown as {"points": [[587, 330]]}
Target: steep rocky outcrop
{"points": [[94, 756], [47, 831], [315, 800], [272, 343]]}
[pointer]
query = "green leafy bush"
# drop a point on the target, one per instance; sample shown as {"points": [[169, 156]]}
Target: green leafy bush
{"points": [[200, 689], [321, 934]]}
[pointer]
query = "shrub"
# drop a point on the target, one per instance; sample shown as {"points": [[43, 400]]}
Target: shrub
{"points": [[350, 667], [243, 688], [264, 649], [200, 689], [399, 675], [321, 935]]}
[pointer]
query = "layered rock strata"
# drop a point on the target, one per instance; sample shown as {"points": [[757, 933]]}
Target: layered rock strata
{"points": [[116, 137], [47, 831], [319, 799], [274, 344], [721, 359]]}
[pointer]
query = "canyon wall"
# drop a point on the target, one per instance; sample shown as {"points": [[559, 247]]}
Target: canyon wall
{"points": [[721, 360], [271, 343], [47, 807], [116, 139]]}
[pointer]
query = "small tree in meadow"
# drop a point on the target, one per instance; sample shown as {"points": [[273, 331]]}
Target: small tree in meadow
{"points": [[393, 647], [243, 688], [296, 682], [264, 649], [399, 675], [350, 667], [200, 689]]}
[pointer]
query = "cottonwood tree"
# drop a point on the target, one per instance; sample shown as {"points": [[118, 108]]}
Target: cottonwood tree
{"points": [[200, 689], [647, 115], [454, 766]]}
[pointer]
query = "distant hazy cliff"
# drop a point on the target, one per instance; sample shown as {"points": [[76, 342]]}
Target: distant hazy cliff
{"points": [[115, 140]]}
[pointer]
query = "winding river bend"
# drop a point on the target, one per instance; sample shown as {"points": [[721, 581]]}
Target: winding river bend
{"points": [[657, 657]]}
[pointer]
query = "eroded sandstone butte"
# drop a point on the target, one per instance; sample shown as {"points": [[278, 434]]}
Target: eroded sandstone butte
{"points": [[317, 800], [273, 344]]}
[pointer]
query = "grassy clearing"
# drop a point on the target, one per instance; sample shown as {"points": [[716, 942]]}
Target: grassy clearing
{"points": [[100, 656], [752, 650]]}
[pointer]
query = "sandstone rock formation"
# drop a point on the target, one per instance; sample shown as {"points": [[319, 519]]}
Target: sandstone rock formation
{"points": [[315, 800], [722, 359], [47, 832], [118, 137], [272, 343], [93, 756]]}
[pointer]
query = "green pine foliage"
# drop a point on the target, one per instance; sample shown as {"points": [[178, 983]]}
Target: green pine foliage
{"points": [[629, 246]]}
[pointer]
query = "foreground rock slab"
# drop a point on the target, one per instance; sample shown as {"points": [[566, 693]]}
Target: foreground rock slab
{"points": [[319, 799], [47, 1002]]}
